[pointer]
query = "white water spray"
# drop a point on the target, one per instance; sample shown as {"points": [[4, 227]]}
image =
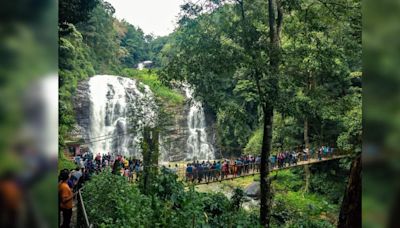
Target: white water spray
{"points": [[119, 108], [197, 144]]}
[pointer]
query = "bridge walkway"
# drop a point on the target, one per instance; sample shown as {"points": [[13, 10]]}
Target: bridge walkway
{"points": [[213, 176]]}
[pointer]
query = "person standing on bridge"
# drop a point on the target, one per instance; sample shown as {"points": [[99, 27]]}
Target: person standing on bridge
{"points": [[311, 153], [286, 160], [306, 152], [320, 154], [224, 168], [324, 151], [76, 178], [258, 163], [189, 174], [217, 170], [98, 159], [116, 166], [294, 157], [199, 170], [272, 160], [279, 157], [246, 165], [328, 151]]}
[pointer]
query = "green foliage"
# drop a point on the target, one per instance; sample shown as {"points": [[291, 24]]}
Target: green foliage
{"points": [[288, 180], [93, 42], [150, 153], [166, 187], [351, 137], [313, 84], [99, 35], [254, 144], [74, 11], [65, 163], [291, 206], [133, 43], [294, 208], [310, 205], [74, 65], [111, 201], [40, 192], [234, 125], [237, 198], [317, 66], [329, 179], [311, 223], [161, 91], [287, 134], [156, 47], [10, 163], [204, 52]]}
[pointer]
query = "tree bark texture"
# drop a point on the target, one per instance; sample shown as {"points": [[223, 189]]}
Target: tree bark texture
{"points": [[150, 157], [275, 18], [265, 204], [350, 211], [306, 167]]}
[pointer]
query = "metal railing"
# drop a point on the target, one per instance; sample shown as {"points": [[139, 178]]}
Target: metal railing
{"points": [[82, 218]]}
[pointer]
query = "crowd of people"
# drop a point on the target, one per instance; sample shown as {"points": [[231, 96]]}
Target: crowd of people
{"points": [[211, 171], [128, 167], [288, 158], [207, 171], [70, 181]]}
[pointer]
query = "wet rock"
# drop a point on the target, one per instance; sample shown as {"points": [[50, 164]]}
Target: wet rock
{"points": [[253, 190], [174, 135], [81, 103]]}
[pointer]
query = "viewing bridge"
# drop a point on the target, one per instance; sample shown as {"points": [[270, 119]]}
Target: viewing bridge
{"points": [[204, 176]]}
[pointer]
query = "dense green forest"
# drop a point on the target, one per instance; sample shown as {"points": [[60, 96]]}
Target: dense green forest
{"points": [[274, 75], [293, 76], [318, 86]]}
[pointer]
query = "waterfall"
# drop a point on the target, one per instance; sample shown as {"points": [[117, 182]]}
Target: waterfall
{"points": [[143, 65], [197, 144], [119, 108], [140, 66]]}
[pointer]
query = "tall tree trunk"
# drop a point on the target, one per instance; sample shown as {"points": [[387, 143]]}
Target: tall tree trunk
{"points": [[395, 209], [307, 145], [265, 204], [350, 211], [275, 18], [150, 153]]}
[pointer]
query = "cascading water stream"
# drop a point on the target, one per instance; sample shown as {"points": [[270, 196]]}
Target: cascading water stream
{"points": [[197, 144], [119, 107]]}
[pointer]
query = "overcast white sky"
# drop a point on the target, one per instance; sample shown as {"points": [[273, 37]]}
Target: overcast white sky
{"points": [[152, 16]]}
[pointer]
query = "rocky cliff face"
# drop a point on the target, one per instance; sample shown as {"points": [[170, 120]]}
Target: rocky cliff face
{"points": [[81, 102], [174, 135], [212, 131]]}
